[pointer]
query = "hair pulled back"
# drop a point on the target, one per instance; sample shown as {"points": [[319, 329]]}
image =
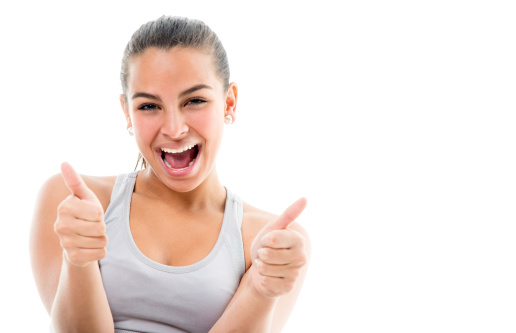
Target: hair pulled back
{"points": [[173, 31], [170, 31]]}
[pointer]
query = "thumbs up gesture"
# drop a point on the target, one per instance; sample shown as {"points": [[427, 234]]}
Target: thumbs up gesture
{"points": [[80, 222], [278, 254]]}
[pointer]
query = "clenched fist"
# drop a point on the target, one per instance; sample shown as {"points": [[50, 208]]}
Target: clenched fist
{"points": [[80, 222], [278, 254]]}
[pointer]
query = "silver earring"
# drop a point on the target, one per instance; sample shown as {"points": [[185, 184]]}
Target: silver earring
{"points": [[131, 131], [228, 119]]}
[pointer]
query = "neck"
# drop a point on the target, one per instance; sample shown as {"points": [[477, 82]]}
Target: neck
{"points": [[210, 194]]}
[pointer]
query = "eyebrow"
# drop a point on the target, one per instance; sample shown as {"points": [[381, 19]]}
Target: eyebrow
{"points": [[194, 88], [145, 95], [184, 93]]}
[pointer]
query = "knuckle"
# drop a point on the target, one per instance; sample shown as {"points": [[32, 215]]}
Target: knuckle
{"points": [[103, 241], [290, 285], [301, 240], [301, 260], [101, 253], [98, 213], [279, 290], [60, 227], [264, 280], [264, 254], [64, 207], [272, 237], [57, 226], [101, 228], [294, 274], [260, 266], [66, 243]]}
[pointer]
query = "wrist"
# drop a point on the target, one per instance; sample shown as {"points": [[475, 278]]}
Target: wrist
{"points": [[66, 261], [73, 269]]}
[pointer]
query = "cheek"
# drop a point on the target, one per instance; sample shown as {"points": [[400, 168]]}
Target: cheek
{"points": [[145, 127], [208, 125]]}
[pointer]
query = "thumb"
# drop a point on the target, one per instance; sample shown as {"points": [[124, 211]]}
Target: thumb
{"points": [[289, 215], [75, 183]]}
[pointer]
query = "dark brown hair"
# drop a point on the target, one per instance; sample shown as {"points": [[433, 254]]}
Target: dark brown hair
{"points": [[170, 31]]}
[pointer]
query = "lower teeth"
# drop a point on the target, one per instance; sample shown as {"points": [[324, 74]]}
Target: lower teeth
{"points": [[189, 165]]}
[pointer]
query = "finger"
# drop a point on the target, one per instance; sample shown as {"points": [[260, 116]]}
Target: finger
{"points": [[282, 239], [74, 242], [81, 242], [92, 242], [89, 229], [281, 256], [72, 226], [289, 215], [271, 270], [279, 271], [81, 209], [75, 183], [277, 286]]}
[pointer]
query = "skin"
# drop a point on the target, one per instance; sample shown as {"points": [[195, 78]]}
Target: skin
{"points": [[68, 234]]}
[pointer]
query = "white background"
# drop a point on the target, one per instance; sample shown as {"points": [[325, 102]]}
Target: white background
{"points": [[396, 119]]}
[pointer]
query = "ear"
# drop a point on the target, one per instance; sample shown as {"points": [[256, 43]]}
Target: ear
{"points": [[125, 108], [231, 100]]}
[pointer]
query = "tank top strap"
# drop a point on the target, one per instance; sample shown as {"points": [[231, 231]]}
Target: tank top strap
{"points": [[233, 234], [124, 185]]}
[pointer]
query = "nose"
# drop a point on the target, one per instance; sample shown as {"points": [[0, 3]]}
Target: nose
{"points": [[174, 124]]}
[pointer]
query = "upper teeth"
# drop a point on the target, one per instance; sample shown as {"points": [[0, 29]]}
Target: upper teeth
{"points": [[180, 150]]}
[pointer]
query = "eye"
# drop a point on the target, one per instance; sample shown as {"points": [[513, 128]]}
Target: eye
{"points": [[195, 101], [148, 107]]}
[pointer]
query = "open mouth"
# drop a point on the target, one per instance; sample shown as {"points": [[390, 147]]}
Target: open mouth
{"points": [[180, 159]]}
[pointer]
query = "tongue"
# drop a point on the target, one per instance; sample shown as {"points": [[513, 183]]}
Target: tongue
{"points": [[180, 160]]}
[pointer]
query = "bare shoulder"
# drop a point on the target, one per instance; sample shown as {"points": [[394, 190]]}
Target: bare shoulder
{"points": [[255, 219], [54, 189]]}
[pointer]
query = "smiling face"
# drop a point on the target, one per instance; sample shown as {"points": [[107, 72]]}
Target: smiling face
{"points": [[176, 104]]}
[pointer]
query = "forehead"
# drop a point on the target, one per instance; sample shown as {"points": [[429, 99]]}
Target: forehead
{"points": [[171, 70]]}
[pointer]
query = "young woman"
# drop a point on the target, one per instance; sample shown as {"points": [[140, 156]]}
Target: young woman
{"points": [[167, 248]]}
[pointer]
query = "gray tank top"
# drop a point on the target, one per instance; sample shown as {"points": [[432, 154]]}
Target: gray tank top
{"points": [[146, 296]]}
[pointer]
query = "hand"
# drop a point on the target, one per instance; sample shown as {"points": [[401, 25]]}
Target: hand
{"points": [[80, 222], [278, 254]]}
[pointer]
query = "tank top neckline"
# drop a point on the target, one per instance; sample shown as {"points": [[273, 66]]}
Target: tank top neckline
{"points": [[228, 210]]}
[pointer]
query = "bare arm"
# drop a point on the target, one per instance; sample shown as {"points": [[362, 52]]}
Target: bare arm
{"points": [[269, 289], [64, 254], [80, 304]]}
